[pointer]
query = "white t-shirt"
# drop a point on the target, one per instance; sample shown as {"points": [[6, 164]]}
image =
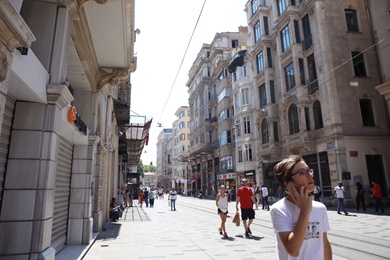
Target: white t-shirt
{"points": [[284, 216], [223, 203], [264, 191], [339, 191]]}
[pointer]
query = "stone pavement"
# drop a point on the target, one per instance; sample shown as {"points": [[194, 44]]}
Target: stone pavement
{"points": [[191, 233]]}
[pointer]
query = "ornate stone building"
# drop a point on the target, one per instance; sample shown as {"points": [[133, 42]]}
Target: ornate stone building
{"points": [[64, 76], [316, 82]]}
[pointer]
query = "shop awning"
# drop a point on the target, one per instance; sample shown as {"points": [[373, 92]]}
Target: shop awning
{"points": [[236, 61], [137, 134]]}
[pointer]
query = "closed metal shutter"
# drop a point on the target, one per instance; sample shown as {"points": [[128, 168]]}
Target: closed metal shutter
{"points": [[5, 138], [62, 195]]}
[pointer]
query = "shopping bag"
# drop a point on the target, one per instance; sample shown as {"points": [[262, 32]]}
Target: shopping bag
{"points": [[236, 219]]}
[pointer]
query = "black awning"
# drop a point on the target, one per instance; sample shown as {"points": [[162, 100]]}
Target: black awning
{"points": [[236, 61]]}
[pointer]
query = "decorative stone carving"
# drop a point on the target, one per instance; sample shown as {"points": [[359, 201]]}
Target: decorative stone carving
{"points": [[113, 77], [4, 65]]}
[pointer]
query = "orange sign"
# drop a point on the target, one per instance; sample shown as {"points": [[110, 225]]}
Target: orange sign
{"points": [[72, 114]]}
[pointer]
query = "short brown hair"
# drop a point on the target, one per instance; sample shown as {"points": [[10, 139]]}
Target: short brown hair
{"points": [[282, 170]]}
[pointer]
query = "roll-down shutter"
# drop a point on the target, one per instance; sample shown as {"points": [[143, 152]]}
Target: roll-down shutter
{"points": [[62, 195], [5, 138]]}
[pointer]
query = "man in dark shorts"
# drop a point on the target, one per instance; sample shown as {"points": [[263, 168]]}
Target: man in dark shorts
{"points": [[246, 199]]}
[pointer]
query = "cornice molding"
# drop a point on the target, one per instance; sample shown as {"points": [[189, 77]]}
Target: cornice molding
{"points": [[14, 32], [59, 95]]}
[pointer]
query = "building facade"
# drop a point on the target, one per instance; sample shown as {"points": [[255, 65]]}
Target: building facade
{"points": [[316, 78], [212, 150], [64, 67], [164, 159], [180, 144]]}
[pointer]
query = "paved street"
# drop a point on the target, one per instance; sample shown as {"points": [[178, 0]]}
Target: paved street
{"points": [[191, 232]]}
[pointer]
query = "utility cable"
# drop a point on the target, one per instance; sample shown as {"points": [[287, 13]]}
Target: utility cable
{"points": [[185, 53]]}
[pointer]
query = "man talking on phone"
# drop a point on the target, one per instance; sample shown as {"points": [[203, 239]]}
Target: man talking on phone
{"points": [[301, 224]]}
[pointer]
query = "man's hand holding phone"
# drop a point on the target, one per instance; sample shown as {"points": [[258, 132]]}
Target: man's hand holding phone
{"points": [[300, 196]]}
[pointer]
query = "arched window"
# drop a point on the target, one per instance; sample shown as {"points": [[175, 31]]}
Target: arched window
{"points": [[293, 119], [318, 123], [264, 132]]}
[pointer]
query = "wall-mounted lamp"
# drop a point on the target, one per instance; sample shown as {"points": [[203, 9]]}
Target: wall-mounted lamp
{"points": [[137, 31]]}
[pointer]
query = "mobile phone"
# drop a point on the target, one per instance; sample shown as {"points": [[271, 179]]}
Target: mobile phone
{"points": [[290, 186]]}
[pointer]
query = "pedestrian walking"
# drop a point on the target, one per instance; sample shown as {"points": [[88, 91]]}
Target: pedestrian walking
{"points": [[151, 197], [317, 192], [377, 195], [146, 195], [141, 196], [360, 196], [340, 191], [264, 196], [246, 199], [172, 198], [301, 224], [258, 195], [222, 203]]}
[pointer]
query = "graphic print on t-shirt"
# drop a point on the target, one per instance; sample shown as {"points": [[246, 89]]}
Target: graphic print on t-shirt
{"points": [[312, 230]]}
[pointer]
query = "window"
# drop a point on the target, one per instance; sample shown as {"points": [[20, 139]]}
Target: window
{"points": [[285, 37], [307, 119], [182, 137], [181, 125], [308, 40], [264, 132], [296, 29], [265, 21], [257, 31], [269, 57], [239, 154], [244, 70], [255, 6], [223, 138], [260, 62], [181, 114], [247, 125], [358, 64], [313, 82], [351, 19], [238, 128], [367, 112], [245, 97], [263, 96], [276, 132], [281, 6], [237, 101], [272, 90], [248, 152], [226, 163], [301, 71], [290, 77], [293, 119], [234, 43], [318, 123]]}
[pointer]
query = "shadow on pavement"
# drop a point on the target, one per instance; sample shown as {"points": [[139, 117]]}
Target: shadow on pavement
{"points": [[111, 232]]}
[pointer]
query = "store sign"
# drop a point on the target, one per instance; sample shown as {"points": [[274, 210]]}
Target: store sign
{"points": [[227, 176]]}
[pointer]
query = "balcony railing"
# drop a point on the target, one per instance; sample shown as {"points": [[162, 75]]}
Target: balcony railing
{"points": [[307, 43], [312, 86]]}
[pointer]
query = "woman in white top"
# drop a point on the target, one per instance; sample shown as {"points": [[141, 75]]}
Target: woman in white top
{"points": [[222, 204]]}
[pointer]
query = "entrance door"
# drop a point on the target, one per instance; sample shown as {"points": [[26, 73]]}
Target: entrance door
{"points": [[376, 172], [321, 174]]}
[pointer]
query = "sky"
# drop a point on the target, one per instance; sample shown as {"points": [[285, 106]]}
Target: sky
{"points": [[159, 82]]}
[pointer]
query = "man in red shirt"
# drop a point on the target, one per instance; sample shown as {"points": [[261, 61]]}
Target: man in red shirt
{"points": [[377, 195], [246, 199]]}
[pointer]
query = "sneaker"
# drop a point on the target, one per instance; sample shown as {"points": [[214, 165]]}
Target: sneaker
{"points": [[220, 231], [338, 212], [247, 234], [225, 235], [249, 231], [346, 213]]}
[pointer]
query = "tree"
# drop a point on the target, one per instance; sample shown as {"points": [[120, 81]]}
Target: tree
{"points": [[149, 168]]}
